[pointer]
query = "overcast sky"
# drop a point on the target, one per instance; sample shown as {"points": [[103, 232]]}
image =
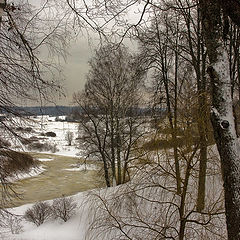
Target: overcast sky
{"points": [[76, 68]]}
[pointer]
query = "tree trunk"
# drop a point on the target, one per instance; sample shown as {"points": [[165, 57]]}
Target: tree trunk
{"points": [[202, 118], [202, 130], [106, 174], [222, 113], [174, 137], [118, 143]]}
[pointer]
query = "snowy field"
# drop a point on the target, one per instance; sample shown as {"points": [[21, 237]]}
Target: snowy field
{"points": [[36, 129], [133, 205], [51, 230]]}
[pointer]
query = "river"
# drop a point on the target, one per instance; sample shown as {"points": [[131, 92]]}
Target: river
{"points": [[57, 179]]}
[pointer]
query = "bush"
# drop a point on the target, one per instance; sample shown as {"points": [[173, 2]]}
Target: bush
{"points": [[39, 213], [64, 208], [25, 141], [26, 130], [50, 134], [37, 146], [53, 148], [10, 222], [12, 162], [4, 143]]}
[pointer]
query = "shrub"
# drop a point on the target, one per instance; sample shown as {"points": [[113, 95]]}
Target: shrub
{"points": [[53, 148], [10, 222], [25, 141], [50, 134], [37, 146], [13, 162], [39, 213], [64, 208], [4, 143], [28, 129], [33, 139]]}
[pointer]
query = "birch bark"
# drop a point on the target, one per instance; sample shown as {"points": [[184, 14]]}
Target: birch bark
{"points": [[222, 113]]}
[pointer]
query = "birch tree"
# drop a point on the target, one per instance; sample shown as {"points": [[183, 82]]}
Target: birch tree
{"points": [[215, 16], [215, 19], [111, 128]]}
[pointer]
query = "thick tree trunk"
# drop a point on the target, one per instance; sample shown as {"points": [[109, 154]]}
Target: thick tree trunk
{"points": [[222, 113], [227, 143]]}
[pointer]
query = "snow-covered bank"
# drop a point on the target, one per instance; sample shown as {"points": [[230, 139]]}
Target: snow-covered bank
{"points": [[140, 209], [33, 172], [74, 229]]}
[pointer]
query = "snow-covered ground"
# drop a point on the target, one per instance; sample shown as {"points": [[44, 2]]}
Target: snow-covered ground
{"points": [[74, 229], [156, 206], [53, 229], [34, 130], [138, 207]]}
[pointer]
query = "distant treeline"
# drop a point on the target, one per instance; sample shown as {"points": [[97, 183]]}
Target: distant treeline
{"points": [[44, 110], [75, 112]]}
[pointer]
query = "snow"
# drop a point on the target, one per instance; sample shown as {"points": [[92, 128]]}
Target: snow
{"points": [[225, 111], [90, 209], [83, 167], [33, 172], [40, 126], [44, 159], [74, 229], [77, 228]]}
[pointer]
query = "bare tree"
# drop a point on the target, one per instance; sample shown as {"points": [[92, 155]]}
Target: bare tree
{"points": [[25, 74], [111, 126], [69, 138], [149, 206], [64, 208], [215, 16]]}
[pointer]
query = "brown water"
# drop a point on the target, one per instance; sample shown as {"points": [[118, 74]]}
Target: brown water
{"points": [[56, 181]]}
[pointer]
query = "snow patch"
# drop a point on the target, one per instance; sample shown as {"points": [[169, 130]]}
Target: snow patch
{"points": [[44, 159], [83, 167], [33, 172]]}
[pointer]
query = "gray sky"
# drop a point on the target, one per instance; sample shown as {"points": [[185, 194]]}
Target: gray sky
{"points": [[76, 68]]}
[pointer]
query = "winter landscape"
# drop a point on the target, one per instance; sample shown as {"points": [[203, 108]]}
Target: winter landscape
{"points": [[62, 172], [119, 119]]}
